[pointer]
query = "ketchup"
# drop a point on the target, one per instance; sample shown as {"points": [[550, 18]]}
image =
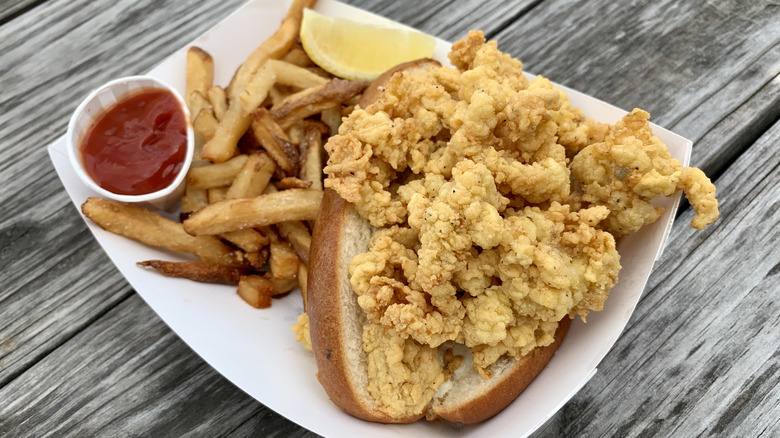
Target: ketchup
{"points": [[137, 146]]}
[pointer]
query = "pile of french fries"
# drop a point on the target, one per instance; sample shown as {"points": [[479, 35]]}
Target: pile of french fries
{"points": [[252, 198]]}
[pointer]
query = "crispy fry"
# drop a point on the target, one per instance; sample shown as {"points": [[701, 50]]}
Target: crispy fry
{"points": [[216, 175], [269, 230], [297, 56], [296, 233], [311, 148], [303, 283], [222, 146], [273, 48], [347, 110], [291, 182], [152, 229], [294, 76], [248, 144], [200, 76], [197, 103], [257, 259], [283, 261], [276, 94], [195, 271], [253, 177], [270, 188], [332, 117], [257, 90], [282, 285], [317, 125], [272, 208], [194, 199], [256, 290], [313, 100], [216, 194], [218, 99], [274, 140], [295, 132], [320, 72], [205, 124], [248, 239]]}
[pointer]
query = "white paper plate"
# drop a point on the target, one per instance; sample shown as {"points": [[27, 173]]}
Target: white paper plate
{"points": [[256, 350]]}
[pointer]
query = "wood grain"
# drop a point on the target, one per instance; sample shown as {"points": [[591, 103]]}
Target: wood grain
{"points": [[689, 64], [128, 372], [81, 354], [451, 19], [55, 278]]}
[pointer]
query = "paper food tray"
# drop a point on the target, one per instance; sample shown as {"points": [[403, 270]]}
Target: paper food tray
{"points": [[255, 349]]}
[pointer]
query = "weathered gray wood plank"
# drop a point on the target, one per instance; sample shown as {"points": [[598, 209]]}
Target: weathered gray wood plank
{"points": [[690, 64], [127, 373], [451, 19], [55, 278], [59, 292], [12, 8], [701, 354]]}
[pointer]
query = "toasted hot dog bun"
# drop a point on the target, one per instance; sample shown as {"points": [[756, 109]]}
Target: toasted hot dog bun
{"points": [[336, 324]]}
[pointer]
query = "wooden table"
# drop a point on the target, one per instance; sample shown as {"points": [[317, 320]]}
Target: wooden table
{"points": [[81, 354]]}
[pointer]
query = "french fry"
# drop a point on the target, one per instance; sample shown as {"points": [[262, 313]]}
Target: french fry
{"points": [[296, 233], [276, 94], [153, 229], [282, 286], [216, 194], [205, 124], [194, 199], [272, 208], [250, 86], [248, 144], [347, 110], [253, 177], [222, 146], [295, 76], [216, 175], [268, 230], [296, 132], [314, 100], [256, 290], [283, 261], [218, 99], [248, 239], [317, 70], [332, 117], [200, 76], [311, 147], [273, 48], [291, 182], [297, 56], [198, 102], [303, 283], [201, 272], [274, 140], [257, 89], [257, 259]]}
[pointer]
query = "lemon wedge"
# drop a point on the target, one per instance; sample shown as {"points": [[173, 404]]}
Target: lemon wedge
{"points": [[360, 51]]}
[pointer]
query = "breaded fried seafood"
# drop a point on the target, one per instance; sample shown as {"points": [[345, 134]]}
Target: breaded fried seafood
{"points": [[476, 212]]}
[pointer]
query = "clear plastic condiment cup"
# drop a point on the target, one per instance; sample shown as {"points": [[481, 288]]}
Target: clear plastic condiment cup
{"points": [[101, 100]]}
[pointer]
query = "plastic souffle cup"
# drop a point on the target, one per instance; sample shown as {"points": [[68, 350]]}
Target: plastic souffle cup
{"points": [[101, 100]]}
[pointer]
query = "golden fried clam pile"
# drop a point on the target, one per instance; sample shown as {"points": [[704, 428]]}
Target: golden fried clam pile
{"points": [[496, 204]]}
